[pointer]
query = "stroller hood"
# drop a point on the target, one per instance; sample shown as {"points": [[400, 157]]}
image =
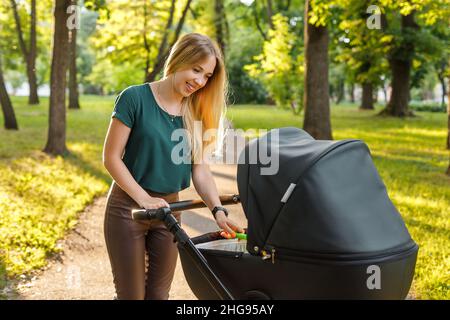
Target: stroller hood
{"points": [[316, 196]]}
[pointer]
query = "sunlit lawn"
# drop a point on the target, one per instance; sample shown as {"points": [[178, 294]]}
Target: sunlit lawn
{"points": [[41, 196]]}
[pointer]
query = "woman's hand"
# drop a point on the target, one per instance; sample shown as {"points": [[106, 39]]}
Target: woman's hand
{"points": [[153, 203], [229, 226]]}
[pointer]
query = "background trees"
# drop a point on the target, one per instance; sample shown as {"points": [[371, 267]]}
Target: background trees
{"points": [[295, 54], [29, 51], [325, 66]]}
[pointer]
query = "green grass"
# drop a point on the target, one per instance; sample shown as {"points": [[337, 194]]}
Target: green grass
{"points": [[41, 196]]}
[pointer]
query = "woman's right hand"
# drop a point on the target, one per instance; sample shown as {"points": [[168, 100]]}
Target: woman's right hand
{"points": [[153, 203]]}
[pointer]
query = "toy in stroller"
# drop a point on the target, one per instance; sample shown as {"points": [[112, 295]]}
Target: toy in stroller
{"points": [[322, 227]]}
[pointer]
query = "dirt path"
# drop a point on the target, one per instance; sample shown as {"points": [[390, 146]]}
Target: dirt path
{"points": [[83, 271]]}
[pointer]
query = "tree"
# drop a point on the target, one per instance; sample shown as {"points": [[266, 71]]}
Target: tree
{"points": [[410, 45], [448, 116], [220, 24], [56, 140], [73, 82], [441, 66], [279, 67], [256, 18], [29, 53], [400, 62], [9, 117], [164, 51], [362, 49], [316, 97], [140, 34]]}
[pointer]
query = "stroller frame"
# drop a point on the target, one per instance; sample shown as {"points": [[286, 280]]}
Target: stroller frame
{"points": [[184, 241]]}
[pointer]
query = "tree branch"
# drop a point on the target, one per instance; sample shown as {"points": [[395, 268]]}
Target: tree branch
{"points": [[19, 28]]}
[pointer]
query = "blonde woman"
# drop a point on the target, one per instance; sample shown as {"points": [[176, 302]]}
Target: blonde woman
{"points": [[138, 155]]}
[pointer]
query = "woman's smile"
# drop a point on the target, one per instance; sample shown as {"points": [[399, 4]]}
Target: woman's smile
{"points": [[190, 88]]}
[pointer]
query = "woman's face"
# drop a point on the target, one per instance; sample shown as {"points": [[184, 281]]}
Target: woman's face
{"points": [[194, 78]]}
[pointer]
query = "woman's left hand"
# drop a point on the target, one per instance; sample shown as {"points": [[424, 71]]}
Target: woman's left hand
{"points": [[229, 226]]}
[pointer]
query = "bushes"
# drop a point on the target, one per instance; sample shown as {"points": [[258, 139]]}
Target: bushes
{"points": [[427, 106]]}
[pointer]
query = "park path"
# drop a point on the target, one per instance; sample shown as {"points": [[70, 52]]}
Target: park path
{"points": [[82, 270]]}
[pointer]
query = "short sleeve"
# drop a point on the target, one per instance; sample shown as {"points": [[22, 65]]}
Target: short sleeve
{"points": [[124, 108]]}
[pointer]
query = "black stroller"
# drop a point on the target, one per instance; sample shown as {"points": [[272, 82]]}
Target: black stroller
{"points": [[322, 227]]}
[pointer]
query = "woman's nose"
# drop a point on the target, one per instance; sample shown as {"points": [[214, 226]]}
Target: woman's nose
{"points": [[199, 82]]}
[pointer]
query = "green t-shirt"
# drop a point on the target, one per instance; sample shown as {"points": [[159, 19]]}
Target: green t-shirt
{"points": [[154, 160]]}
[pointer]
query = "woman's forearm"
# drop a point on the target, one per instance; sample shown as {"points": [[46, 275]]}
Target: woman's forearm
{"points": [[122, 176], [206, 187]]}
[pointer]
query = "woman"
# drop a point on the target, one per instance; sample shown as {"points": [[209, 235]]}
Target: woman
{"points": [[138, 154]]}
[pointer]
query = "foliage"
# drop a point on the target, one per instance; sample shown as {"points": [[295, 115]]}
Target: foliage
{"points": [[278, 69], [362, 50], [9, 43], [427, 106], [423, 45]]}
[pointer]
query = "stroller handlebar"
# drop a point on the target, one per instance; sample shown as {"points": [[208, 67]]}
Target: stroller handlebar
{"points": [[149, 214]]}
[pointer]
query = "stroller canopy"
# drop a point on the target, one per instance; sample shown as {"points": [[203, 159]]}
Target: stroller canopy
{"points": [[325, 197]]}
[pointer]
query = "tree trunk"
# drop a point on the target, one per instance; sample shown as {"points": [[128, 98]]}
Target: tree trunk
{"points": [[33, 98], [270, 13], [384, 93], [29, 55], [74, 102], [375, 94], [448, 123], [398, 102], [443, 88], [146, 43], [10, 122], [56, 140], [400, 64], [316, 97], [367, 97], [340, 95], [256, 18], [219, 17], [352, 92]]}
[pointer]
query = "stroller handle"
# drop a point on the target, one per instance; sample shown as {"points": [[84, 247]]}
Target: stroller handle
{"points": [[149, 214]]}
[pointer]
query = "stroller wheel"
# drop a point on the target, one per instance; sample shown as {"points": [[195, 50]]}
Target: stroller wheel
{"points": [[256, 295]]}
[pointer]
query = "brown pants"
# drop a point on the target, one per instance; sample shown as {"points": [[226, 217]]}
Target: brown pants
{"points": [[143, 255]]}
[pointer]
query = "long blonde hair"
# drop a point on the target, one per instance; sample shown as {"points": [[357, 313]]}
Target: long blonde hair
{"points": [[207, 104]]}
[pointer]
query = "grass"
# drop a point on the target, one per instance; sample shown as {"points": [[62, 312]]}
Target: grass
{"points": [[40, 196]]}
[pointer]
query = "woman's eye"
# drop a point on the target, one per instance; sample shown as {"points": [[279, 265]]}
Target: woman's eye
{"points": [[196, 70]]}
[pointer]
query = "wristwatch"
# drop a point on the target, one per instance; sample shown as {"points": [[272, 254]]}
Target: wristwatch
{"points": [[217, 208]]}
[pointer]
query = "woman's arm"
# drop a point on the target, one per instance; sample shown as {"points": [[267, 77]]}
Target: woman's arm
{"points": [[113, 149], [205, 186]]}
